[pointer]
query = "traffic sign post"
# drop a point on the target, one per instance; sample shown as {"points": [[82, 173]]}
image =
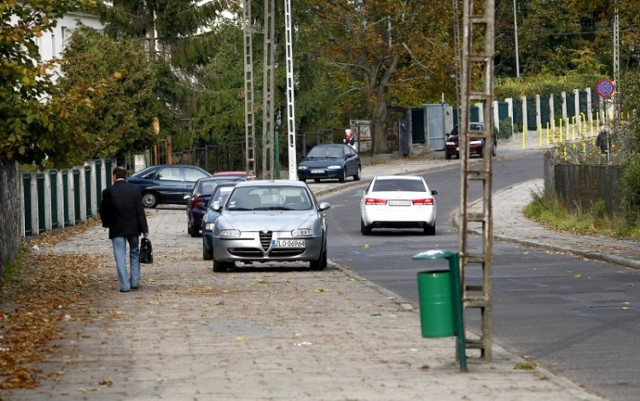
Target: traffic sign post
{"points": [[605, 88]]}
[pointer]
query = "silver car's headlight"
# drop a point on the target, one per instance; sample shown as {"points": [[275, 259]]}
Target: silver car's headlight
{"points": [[209, 226], [230, 233], [303, 168], [335, 167], [302, 232]]}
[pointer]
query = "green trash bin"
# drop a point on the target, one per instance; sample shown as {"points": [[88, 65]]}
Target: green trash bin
{"points": [[436, 308]]}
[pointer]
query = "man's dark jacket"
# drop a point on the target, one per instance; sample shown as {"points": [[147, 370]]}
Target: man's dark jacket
{"points": [[122, 210]]}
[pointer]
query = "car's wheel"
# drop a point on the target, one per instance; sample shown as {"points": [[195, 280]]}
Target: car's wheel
{"points": [[364, 229], [206, 255], [430, 229], [493, 150], [193, 231], [316, 179], [221, 266], [150, 199], [321, 263], [447, 155], [188, 228], [343, 178], [302, 179], [358, 174]]}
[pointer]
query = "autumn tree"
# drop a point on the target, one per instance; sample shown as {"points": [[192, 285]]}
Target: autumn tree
{"points": [[36, 119], [387, 52], [121, 118]]}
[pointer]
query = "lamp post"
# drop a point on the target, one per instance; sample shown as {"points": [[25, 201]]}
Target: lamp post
{"points": [[515, 30], [276, 141]]}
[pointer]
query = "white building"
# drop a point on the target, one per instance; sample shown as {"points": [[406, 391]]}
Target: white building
{"points": [[52, 43]]}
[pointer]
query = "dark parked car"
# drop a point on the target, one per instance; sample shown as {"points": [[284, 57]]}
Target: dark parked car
{"points": [[243, 174], [199, 198], [476, 146], [330, 161], [167, 183], [211, 215]]}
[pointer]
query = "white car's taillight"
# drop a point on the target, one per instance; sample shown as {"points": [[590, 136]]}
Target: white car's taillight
{"points": [[423, 202], [374, 201]]}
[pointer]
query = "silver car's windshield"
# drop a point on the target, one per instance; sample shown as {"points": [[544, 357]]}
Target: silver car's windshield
{"points": [[269, 198]]}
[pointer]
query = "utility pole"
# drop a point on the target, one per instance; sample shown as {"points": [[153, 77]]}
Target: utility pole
{"points": [[268, 130], [291, 117], [616, 64], [515, 30], [249, 118]]}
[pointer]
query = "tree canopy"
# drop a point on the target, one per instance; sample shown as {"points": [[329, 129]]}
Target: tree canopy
{"points": [[36, 117], [121, 117]]}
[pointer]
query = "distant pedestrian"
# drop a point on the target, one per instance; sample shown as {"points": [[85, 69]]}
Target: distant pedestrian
{"points": [[601, 141], [349, 139], [122, 212]]}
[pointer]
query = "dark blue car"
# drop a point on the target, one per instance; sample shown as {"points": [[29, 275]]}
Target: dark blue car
{"points": [[330, 162], [199, 198], [166, 183], [220, 195]]}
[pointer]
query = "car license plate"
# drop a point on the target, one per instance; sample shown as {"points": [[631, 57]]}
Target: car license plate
{"points": [[399, 203], [287, 243], [317, 171]]}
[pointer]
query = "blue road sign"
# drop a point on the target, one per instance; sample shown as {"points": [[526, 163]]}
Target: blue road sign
{"points": [[605, 88]]}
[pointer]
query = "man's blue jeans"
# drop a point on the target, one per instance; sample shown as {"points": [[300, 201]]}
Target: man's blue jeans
{"points": [[120, 253]]}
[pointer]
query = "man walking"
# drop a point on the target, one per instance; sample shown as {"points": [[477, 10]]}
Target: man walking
{"points": [[122, 212]]}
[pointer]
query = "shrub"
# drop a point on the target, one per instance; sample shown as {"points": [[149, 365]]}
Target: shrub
{"points": [[506, 129], [631, 185]]}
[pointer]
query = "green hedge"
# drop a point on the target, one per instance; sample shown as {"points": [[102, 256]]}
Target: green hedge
{"points": [[542, 85]]}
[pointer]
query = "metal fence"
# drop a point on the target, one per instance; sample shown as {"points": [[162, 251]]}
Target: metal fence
{"points": [[55, 199], [579, 186]]}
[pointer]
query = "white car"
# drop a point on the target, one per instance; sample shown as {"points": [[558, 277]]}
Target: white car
{"points": [[398, 201]]}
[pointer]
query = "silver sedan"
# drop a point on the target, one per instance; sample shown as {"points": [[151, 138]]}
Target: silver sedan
{"points": [[270, 221]]}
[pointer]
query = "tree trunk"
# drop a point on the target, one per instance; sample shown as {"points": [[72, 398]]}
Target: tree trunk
{"points": [[380, 126], [10, 209]]}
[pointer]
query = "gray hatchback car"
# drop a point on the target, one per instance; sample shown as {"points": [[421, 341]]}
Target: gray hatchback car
{"points": [[270, 221]]}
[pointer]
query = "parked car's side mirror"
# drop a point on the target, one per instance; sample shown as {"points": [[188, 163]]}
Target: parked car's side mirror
{"points": [[434, 192], [216, 206], [324, 206]]}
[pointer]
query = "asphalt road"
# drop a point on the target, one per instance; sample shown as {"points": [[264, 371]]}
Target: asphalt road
{"points": [[566, 313]]}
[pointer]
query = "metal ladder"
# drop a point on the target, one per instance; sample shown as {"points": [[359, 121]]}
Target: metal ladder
{"points": [[477, 87], [249, 117]]}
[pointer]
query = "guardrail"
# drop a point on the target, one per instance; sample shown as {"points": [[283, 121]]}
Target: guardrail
{"points": [[55, 199]]}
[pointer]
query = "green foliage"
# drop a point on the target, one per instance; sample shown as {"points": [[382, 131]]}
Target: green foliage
{"points": [[36, 119], [631, 184], [506, 129], [121, 118], [543, 85], [551, 213]]}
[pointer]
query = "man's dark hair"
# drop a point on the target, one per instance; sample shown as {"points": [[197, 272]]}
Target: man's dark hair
{"points": [[120, 172]]}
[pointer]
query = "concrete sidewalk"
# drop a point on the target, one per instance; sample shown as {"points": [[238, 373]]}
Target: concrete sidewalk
{"points": [[268, 334]]}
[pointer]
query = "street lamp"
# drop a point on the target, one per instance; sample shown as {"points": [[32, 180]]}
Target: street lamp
{"points": [[515, 29], [276, 141]]}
